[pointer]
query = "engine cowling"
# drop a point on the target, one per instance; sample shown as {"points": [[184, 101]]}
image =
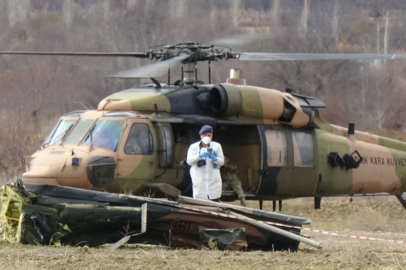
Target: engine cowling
{"points": [[258, 102]]}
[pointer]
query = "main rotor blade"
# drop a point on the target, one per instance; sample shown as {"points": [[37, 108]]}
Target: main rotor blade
{"points": [[237, 40], [153, 70], [256, 56], [95, 54]]}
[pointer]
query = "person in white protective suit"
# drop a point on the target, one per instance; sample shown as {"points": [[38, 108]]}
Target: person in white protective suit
{"points": [[205, 158]]}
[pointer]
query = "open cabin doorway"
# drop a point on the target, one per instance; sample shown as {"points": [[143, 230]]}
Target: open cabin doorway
{"points": [[241, 144]]}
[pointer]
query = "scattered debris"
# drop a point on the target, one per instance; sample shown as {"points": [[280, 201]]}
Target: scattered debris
{"points": [[47, 214]]}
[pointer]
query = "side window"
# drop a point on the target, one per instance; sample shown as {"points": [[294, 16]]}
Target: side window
{"points": [[139, 141], [276, 148], [167, 133], [302, 149]]}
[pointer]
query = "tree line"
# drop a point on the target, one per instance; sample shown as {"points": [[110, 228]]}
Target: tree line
{"points": [[36, 90]]}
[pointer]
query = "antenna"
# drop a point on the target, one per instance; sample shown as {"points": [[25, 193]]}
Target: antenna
{"points": [[209, 72], [196, 72], [77, 102]]}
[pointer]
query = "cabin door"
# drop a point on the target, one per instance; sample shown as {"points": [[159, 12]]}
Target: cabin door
{"points": [[302, 163], [287, 162], [274, 159], [137, 158]]}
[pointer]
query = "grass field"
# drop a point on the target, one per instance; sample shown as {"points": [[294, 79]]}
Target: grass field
{"points": [[379, 217]]}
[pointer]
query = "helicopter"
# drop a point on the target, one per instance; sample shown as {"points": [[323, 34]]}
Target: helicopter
{"points": [[137, 139]]}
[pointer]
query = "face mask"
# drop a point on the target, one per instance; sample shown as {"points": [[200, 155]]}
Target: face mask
{"points": [[206, 140]]}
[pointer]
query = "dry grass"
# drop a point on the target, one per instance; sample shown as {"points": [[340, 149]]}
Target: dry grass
{"points": [[374, 218]]}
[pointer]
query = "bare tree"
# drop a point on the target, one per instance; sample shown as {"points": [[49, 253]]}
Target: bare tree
{"points": [[36, 90]]}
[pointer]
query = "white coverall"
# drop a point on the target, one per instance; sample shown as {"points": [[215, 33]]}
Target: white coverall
{"points": [[206, 180]]}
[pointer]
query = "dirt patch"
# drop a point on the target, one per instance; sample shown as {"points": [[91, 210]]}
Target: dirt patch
{"points": [[380, 218]]}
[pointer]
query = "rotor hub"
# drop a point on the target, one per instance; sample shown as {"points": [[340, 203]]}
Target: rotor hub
{"points": [[197, 52]]}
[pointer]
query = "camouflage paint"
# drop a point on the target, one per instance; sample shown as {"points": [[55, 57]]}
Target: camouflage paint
{"points": [[400, 167], [139, 101], [251, 102], [299, 119], [333, 180], [134, 170], [383, 169], [374, 175], [391, 143], [263, 103], [303, 179]]}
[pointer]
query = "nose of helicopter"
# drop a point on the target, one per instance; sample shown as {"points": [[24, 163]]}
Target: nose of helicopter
{"points": [[69, 167]]}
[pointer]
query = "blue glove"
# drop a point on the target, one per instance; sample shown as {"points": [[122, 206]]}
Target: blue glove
{"points": [[213, 157], [204, 154]]}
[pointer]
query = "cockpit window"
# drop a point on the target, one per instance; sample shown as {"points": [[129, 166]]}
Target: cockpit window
{"points": [[79, 131], [59, 132], [105, 134]]}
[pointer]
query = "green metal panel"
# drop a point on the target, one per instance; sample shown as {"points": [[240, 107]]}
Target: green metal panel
{"points": [[251, 102], [334, 181]]}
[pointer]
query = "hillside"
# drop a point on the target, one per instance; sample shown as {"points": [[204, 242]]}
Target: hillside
{"points": [[37, 90]]}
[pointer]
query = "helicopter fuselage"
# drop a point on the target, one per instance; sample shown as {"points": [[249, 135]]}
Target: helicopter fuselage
{"points": [[137, 141]]}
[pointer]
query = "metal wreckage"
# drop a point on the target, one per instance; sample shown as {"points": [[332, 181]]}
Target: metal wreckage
{"points": [[58, 215]]}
